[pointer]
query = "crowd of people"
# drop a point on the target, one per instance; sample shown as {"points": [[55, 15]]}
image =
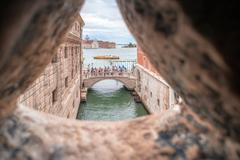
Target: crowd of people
{"points": [[105, 71]]}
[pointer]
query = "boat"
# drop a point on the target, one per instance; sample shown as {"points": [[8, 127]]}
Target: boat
{"points": [[106, 57]]}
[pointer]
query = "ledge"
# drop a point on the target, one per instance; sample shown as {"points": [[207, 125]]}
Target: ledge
{"points": [[29, 134], [43, 136]]}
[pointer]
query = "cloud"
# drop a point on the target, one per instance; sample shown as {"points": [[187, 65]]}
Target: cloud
{"points": [[104, 21]]}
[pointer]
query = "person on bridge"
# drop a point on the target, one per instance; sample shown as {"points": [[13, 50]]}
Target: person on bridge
{"points": [[105, 70], [92, 70]]}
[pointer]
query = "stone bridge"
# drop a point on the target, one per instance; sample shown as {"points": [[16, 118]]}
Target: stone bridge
{"points": [[127, 78]]}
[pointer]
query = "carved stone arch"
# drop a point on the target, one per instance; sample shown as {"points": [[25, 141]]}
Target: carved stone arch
{"points": [[193, 43]]}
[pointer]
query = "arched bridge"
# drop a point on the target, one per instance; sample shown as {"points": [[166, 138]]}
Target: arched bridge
{"points": [[126, 77]]}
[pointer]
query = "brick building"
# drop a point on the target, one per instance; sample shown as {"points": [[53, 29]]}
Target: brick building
{"points": [[143, 61], [106, 44], [93, 44], [57, 89], [153, 90]]}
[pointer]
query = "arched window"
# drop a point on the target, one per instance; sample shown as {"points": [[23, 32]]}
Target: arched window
{"points": [[76, 50], [54, 59], [54, 96], [66, 82], [65, 52]]}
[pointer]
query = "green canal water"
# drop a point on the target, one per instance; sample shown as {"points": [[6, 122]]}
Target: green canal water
{"points": [[108, 100]]}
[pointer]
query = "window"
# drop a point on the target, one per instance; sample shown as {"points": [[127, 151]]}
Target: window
{"points": [[158, 102], [76, 50], [60, 50], [176, 98], [54, 95], [151, 94], [54, 59], [72, 50], [65, 52], [73, 104], [66, 82], [72, 74], [139, 87]]}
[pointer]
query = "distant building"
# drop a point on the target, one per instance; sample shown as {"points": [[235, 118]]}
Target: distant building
{"points": [[93, 44], [130, 45], [106, 44], [86, 44]]}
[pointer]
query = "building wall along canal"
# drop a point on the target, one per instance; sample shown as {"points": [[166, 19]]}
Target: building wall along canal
{"points": [[152, 89], [57, 89]]}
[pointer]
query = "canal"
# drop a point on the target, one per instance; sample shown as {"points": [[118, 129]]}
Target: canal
{"points": [[108, 100]]}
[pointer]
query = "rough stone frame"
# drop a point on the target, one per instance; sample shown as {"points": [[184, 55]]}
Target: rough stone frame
{"points": [[203, 60]]}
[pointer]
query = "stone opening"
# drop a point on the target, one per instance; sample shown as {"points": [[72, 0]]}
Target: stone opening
{"points": [[202, 72]]}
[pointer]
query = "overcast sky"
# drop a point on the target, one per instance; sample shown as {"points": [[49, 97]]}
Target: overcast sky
{"points": [[103, 21]]}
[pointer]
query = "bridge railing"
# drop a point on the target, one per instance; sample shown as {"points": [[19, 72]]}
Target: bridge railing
{"points": [[108, 73]]}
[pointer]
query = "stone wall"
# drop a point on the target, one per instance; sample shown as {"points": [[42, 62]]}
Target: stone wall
{"points": [[153, 90], [57, 89]]}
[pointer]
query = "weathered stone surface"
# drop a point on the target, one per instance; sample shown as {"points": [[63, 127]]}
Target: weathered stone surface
{"points": [[30, 33], [187, 56], [196, 51], [28, 134]]}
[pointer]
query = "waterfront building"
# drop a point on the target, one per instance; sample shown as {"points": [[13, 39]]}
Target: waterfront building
{"points": [[88, 44], [93, 44], [106, 44], [153, 90], [57, 89]]}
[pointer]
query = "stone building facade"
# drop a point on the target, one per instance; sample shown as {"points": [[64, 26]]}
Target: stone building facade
{"points": [[57, 89], [154, 91]]}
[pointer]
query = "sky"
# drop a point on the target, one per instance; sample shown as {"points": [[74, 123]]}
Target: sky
{"points": [[103, 21]]}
